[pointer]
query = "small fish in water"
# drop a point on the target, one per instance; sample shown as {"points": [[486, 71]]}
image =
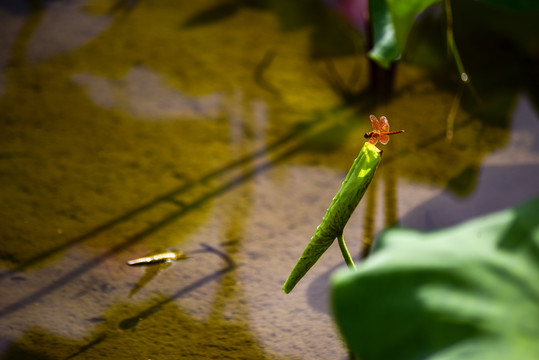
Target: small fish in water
{"points": [[166, 257]]}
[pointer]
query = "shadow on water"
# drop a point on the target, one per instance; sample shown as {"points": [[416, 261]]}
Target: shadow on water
{"points": [[123, 6], [18, 7], [258, 73], [330, 35], [35, 11], [133, 321], [493, 186], [445, 210], [317, 294], [172, 335], [180, 337], [216, 13]]}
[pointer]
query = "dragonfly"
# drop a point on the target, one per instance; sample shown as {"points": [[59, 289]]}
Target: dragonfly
{"points": [[380, 130]]}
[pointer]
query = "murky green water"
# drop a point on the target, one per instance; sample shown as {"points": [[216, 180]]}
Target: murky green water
{"points": [[225, 128]]}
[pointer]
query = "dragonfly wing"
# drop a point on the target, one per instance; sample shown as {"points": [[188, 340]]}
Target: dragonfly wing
{"points": [[384, 125], [384, 138], [375, 123]]}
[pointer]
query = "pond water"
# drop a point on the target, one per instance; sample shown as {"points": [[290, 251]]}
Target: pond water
{"points": [[224, 129]]}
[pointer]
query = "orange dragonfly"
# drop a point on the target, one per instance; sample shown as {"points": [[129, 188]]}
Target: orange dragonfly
{"points": [[380, 130]]}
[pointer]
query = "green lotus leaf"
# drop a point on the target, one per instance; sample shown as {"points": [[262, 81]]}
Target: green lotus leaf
{"points": [[466, 292], [391, 22]]}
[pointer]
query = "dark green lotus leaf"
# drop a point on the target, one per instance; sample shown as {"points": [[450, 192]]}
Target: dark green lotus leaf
{"points": [[526, 6], [467, 292], [392, 21]]}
